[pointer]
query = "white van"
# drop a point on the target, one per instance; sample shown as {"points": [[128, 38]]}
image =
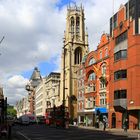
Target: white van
{"points": [[24, 120]]}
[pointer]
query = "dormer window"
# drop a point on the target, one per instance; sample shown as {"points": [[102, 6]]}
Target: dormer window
{"points": [[91, 61]]}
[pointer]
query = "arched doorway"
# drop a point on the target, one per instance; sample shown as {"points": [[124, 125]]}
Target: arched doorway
{"points": [[113, 125]]}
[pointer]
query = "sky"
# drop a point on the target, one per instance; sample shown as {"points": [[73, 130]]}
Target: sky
{"points": [[33, 33]]}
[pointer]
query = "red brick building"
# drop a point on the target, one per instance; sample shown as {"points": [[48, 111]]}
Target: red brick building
{"points": [[124, 87], [93, 85]]}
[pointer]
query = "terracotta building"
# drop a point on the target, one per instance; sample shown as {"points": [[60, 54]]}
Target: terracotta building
{"points": [[93, 85], [124, 95]]}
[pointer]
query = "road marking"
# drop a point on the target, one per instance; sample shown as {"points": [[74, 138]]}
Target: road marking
{"points": [[23, 135]]}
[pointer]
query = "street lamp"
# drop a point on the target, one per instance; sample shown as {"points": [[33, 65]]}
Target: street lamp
{"points": [[63, 103]]}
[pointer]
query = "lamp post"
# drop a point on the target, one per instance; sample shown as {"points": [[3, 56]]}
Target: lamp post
{"points": [[31, 93], [63, 103]]}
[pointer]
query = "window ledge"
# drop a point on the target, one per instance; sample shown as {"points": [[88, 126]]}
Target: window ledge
{"points": [[115, 61], [120, 79]]}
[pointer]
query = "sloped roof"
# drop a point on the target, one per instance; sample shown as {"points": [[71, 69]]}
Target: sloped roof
{"points": [[36, 74]]}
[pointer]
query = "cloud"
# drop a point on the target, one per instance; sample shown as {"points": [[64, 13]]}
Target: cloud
{"points": [[14, 88], [33, 33], [28, 26], [97, 14]]}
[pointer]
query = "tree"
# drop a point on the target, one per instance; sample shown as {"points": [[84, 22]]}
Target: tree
{"points": [[11, 111]]}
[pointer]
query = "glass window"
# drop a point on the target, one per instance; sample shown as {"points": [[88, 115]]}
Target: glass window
{"points": [[91, 61], [100, 55], [94, 103], [120, 74], [104, 69], [92, 76], [94, 87], [88, 102], [77, 24], [122, 54], [72, 25], [115, 20], [106, 52], [121, 37], [120, 94], [103, 99]]}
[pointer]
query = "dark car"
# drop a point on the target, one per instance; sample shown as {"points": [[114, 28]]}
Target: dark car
{"points": [[41, 120]]}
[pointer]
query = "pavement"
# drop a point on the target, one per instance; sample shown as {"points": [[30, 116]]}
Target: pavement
{"points": [[42, 132], [115, 131]]}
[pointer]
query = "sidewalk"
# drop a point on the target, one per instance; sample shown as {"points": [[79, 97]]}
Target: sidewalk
{"points": [[109, 129], [115, 131]]}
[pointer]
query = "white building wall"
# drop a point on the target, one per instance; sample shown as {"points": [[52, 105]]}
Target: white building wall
{"points": [[53, 91], [40, 102]]}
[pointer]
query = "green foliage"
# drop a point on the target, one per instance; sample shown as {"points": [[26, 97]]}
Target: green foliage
{"points": [[11, 111]]}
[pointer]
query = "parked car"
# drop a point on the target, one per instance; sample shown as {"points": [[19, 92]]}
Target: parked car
{"points": [[24, 120], [41, 120]]}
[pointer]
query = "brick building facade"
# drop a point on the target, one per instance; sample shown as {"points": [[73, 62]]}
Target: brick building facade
{"points": [[124, 101], [111, 78]]}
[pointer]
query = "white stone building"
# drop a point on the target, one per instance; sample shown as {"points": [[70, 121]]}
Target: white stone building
{"points": [[40, 99], [53, 90]]}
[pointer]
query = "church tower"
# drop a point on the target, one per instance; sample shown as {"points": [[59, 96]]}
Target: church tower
{"points": [[75, 47]]}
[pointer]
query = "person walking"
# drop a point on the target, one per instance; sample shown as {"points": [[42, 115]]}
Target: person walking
{"points": [[104, 124], [125, 125]]}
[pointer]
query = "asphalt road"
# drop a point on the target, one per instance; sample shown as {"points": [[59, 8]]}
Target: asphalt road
{"points": [[43, 132]]}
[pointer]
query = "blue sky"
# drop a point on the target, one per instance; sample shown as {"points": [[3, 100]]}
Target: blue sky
{"points": [[64, 2], [34, 37], [47, 67], [44, 67]]}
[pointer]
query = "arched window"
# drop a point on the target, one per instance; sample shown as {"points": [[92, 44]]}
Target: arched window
{"points": [[100, 54], [92, 76], [91, 61], [106, 52], [104, 69], [72, 25], [77, 24], [78, 55]]}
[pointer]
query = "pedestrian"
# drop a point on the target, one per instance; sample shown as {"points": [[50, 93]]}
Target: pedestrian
{"points": [[104, 124], [125, 125]]}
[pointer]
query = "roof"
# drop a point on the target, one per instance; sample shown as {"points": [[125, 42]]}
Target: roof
{"points": [[36, 74]]}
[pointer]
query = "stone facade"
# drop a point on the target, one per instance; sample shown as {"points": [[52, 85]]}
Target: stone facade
{"points": [[40, 99], [75, 47], [52, 90]]}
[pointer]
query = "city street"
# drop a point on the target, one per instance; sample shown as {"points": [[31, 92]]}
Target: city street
{"points": [[43, 132]]}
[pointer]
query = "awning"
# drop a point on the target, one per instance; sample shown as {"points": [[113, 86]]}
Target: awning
{"points": [[101, 109]]}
